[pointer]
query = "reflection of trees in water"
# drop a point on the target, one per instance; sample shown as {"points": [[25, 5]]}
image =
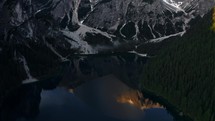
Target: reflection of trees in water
{"points": [[24, 101]]}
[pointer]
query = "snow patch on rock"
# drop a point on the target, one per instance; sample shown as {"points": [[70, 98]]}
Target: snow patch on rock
{"points": [[30, 79]]}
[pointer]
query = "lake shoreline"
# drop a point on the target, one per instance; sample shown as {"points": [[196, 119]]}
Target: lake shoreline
{"points": [[169, 106]]}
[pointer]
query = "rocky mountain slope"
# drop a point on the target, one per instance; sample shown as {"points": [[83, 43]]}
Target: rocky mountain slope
{"points": [[37, 36]]}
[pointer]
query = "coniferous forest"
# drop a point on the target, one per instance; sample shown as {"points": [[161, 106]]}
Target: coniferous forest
{"points": [[184, 72], [107, 60]]}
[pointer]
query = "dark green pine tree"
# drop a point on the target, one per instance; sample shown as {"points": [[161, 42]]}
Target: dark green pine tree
{"points": [[183, 72]]}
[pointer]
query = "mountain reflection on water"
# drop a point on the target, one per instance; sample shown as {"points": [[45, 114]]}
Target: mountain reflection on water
{"points": [[136, 99], [104, 99], [86, 93], [113, 98]]}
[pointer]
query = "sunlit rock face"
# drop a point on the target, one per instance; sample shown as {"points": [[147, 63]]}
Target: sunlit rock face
{"points": [[199, 6], [152, 19]]}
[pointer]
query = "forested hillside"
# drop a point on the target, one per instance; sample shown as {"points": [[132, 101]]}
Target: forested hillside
{"points": [[184, 71], [213, 26]]}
